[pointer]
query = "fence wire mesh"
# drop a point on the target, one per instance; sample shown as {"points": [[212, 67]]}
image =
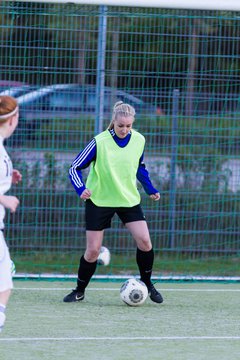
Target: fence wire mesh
{"points": [[54, 60]]}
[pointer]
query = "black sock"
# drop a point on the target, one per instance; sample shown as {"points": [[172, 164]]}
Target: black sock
{"points": [[85, 272], [145, 264]]}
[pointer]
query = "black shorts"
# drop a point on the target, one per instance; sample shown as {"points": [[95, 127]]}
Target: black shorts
{"points": [[99, 218]]}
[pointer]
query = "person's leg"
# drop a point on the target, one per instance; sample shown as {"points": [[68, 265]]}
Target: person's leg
{"points": [[88, 261], [144, 256], [4, 297], [145, 264], [87, 265], [97, 219], [6, 283]]}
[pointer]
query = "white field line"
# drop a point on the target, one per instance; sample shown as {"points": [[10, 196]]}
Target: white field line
{"points": [[120, 338], [116, 289], [125, 277]]}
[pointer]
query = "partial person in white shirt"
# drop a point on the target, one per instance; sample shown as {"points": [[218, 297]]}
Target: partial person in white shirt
{"points": [[8, 176]]}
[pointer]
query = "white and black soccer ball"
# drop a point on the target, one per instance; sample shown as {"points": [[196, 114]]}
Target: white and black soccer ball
{"points": [[134, 292], [104, 256]]}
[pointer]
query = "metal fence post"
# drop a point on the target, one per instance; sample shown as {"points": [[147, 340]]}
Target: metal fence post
{"points": [[102, 31], [172, 205]]}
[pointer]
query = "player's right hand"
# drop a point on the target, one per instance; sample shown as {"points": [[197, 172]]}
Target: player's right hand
{"points": [[86, 194]]}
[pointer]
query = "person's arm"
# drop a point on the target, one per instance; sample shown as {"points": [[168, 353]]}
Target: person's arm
{"points": [[9, 202], [82, 161], [144, 179], [16, 176]]}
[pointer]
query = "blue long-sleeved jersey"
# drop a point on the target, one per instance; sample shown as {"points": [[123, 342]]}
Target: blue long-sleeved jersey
{"points": [[88, 154]]}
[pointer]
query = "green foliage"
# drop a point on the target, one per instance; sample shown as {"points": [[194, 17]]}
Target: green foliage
{"points": [[65, 33], [208, 137], [125, 264], [61, 134]]}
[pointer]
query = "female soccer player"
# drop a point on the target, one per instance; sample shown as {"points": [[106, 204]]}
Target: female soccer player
{"points": [[8, 123], [116, 158]]}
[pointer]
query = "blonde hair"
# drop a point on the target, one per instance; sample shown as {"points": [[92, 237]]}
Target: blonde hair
{"points": [[8, 108], [122, 109]]}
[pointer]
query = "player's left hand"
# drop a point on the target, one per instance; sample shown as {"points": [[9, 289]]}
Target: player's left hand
{"points": [[16, 176], [155, 197]]}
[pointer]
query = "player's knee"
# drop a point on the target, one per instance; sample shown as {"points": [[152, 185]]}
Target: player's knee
{"points": [[91, 255], [144, 244]]}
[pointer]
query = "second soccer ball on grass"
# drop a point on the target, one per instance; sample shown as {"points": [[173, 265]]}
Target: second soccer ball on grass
{"points": [[104, 256]]}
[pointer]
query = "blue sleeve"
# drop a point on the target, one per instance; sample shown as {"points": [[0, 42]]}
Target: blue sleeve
{"points": [[82, 161], [144, 179]]}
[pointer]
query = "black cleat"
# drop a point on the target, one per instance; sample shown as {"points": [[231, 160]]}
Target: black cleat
{"points": [[74, 296], [154, 295]]}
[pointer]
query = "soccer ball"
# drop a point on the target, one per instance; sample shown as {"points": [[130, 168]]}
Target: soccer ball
{"points": [[104, 256], [133, 292]]}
